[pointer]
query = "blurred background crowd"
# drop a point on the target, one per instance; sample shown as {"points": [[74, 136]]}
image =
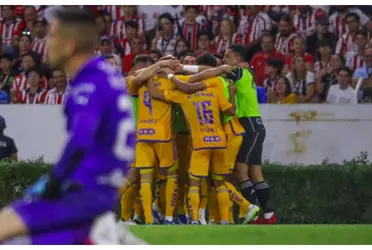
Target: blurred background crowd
{"points": [[297, 54]]}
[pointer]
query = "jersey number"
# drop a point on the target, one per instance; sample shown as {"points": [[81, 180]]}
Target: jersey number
{"points": [[147, 101], [204, 112], [126, 128]]}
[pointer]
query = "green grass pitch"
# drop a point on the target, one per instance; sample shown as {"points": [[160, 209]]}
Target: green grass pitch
{"points": [[255, 234]]}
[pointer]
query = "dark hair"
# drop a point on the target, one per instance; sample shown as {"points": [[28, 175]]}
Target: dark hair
{"points": [[286, 17], [241, 50], [218, 56], [58, 69], [166, 16], [266, 34], [142, 59], [37, 70], [207, 59], [361, 32], [203, 33], [345, 69], [133, 24], [190, 53], [155, 52], [352, 14], [8, 57], [287, 85], [181, 40], [25, 34], [196, 7]]}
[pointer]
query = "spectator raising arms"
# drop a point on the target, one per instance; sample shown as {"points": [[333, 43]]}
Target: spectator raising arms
{"points": [[302, 81], [226, 36]]}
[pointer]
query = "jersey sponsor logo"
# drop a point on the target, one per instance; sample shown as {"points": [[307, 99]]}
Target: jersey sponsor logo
{"points": [[146, 131], [212, 139]]}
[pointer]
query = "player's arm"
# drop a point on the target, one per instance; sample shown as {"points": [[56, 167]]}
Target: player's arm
{"points": [[228, 108], [146, 73], [165, 95], [154, 92], [209, 73], [188, 88]]}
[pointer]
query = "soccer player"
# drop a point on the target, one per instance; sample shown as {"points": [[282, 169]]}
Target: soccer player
{"points": [[202, 111], [77, 200], [250, 153]]}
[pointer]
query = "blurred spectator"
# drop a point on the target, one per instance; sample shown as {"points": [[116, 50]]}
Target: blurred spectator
{"points": [[189, 28], [29, 16], [354, 60], [137, 46], [34, 94], [10, 26], [226, 36], [346, 42], [282, 93], [106, 47], [299, 50], [24, 48], [165, 39], [273, 71], [219, 59], [323, 56], [6, 73], [58, 94], [204, 44], [304, 20], [302, 81], [40, 38], [155, 55], [214, 14], [339, 23], [327, 78], [285, 38], [132, 31], [129, 13], [180, 47], [365, 73], [253, 24], [259, 61], [321, 33], [342, 92]]}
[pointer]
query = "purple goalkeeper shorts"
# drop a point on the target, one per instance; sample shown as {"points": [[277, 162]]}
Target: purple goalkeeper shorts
{"points": [[68, 219]]}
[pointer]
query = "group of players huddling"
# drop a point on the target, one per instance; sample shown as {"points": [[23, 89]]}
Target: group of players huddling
{"points": [[75, 202], [199, 132]]}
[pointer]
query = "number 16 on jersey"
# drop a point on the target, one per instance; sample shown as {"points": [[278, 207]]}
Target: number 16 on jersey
{"points": [[204, 112]]}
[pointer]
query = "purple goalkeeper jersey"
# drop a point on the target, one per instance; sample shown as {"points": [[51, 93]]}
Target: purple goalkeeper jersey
{"points": [[100, 124]]}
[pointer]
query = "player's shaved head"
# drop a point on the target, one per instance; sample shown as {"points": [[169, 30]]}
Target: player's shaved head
{"points": [[207, 59]]}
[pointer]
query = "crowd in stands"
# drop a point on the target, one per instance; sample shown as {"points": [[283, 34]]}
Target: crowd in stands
{"points": [[297, 54]]}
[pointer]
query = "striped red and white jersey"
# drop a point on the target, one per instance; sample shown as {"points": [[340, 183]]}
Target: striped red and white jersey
{"points": [[338, 24], [318, 66], [39, 46], [7, 31], [115, 11], [55, 97], [251, 28], [126, 46], [284, 44], [20, 83], [190, 32], [345, 44], [353, 60], [305, 24], [221, 45], [26, 97], [214, 14], [118, 27]]}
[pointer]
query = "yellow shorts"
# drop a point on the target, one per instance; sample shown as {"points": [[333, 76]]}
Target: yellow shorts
{"points": [[200, 160], [148, 154], [234, 132]]}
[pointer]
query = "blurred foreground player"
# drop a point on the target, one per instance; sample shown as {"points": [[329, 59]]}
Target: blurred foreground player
{"points": [[74, 204]]}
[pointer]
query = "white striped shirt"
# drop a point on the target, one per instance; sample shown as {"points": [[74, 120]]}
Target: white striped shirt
{"points": [[7, 31], [118, 27], [39, 46], [251, 28], [54, 97], [284, 44], [115, 11], [222, 45], [337, 21], [353, 60], [345, 44], [305, 24]]}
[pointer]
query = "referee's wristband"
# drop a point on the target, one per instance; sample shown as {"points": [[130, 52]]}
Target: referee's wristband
{"points": [[191, 68], [170, 76]]}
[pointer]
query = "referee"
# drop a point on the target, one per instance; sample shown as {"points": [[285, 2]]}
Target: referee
{"points": [[249, 157], [8, 149]]}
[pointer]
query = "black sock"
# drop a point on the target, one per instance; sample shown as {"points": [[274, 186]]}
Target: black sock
{"points": [[248, 192], [264, 196]]}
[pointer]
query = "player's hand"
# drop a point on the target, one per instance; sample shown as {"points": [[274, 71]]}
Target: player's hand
{"points": [[232, 89], [179, 68], [168, 64], [167, 57], [244, 65], [226, 68]]}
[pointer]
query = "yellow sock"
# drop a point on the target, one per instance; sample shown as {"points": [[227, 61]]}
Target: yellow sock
{"points": [[231, 213], [194, 202], [127, 202], [138, 206], [223, 201], [146, 199], [171, 192], [212, 204], [203, 194], [236, 197], [162, 196]]}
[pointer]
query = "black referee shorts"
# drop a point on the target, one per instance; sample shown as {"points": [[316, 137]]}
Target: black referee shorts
{"points": [[250, 151]]}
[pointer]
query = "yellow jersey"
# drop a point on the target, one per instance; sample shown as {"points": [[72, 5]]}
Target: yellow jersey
{"points": [[154, 117], [202, 112]]}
